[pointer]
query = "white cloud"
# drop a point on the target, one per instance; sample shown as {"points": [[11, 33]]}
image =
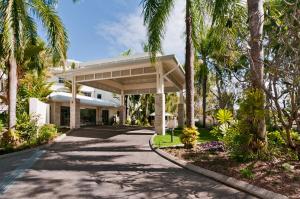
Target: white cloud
{"points": [[129, 32]]}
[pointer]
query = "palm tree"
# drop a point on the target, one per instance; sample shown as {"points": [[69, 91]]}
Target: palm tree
{"points": [[156, 14], [19, 28]]}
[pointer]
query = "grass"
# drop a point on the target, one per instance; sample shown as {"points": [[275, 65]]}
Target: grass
{"points": [[165, 141]]}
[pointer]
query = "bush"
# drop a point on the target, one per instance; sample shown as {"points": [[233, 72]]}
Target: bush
{"points": [[26, 127], [189, 137], [9, 139], [46, 133], [225, 120], [275, 138]]}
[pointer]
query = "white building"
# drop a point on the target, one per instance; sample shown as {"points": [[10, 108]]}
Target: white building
{"points": [[96, 106]]}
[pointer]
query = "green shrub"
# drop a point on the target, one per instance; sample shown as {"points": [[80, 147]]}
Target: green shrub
{"points": [[247, 173], [275, 138], [225, 120], [189, 137], [9, 139], [238, 143], [26, 127], [46, 133]]}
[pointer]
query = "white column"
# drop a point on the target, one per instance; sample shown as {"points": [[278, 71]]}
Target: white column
{"points": [[74, 107], [159, 102], [122, 109], [181, 111]]}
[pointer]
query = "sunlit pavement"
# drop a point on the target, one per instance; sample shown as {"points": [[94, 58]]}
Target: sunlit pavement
{"points": [[106, 162]]}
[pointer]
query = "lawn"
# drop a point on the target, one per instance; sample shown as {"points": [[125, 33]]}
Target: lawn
{"points": [[165, 141]]}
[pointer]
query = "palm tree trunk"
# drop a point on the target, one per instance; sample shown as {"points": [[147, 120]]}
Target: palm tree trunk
{"points": [[12, 76], [256, 18], [189, 68], [204, 88]]}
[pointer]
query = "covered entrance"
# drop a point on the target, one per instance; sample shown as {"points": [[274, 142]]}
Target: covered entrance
{"points": [[131, 75]]}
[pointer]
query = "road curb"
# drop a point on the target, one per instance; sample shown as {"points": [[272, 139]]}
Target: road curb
{"points": [[232, 182], [44, 146]]}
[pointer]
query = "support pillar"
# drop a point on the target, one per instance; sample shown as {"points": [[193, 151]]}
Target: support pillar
{"points": [[74, 108], [122, 109], [181, 111], [98, 116], [160, 108], [55, 113]]}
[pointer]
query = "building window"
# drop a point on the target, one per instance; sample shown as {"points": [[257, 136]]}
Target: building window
{"points": [[88, 94], [61, 80], [99, 96]]}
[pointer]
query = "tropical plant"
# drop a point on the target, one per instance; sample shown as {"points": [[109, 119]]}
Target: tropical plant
{"points": [[33, 85], [26, 127], [189, 137], [18, 29], [46, 132], [224, 116]]}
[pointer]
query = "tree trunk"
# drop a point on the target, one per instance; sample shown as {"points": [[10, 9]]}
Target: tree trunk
{"points": [[256, 18], [204, 89], [189, 68], [12, 76]]}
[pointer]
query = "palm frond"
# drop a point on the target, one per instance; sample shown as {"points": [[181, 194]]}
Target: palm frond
{"points": [[57, 36], [156, 13]]}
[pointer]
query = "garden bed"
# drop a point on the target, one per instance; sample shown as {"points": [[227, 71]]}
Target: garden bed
{"points": [[278, 175], [25, 146]]}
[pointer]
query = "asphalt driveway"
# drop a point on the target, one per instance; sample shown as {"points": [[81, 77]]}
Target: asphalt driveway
{"points": [[108, 162]]}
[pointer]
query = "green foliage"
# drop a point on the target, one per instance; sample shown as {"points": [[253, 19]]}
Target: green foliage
{"points": [[225, 120], [275, 138], [247, 173], [237, 143], [9, 139], [189, 137], [1, 126], [224, 116], [252, 111], [26, 127], [33, 85], [46, 133]]}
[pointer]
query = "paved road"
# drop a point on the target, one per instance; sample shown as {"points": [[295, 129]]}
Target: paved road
{"points": [[111, 163]]}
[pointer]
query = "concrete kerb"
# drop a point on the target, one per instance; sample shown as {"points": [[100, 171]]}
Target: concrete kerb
{"points": [[232, 182], [44, 146]]}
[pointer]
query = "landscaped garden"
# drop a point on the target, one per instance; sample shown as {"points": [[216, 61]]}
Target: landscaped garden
{"points": [[227, 149]]}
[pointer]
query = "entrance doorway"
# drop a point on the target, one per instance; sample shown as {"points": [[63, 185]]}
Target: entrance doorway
{"points": [[105, 117], [65, 116]]}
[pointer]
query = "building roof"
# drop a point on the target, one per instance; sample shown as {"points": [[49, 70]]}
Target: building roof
{"points": [[132, 74], [66, 97]]}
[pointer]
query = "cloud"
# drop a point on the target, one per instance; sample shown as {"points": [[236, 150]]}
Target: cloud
{"points": [[129, 32]]}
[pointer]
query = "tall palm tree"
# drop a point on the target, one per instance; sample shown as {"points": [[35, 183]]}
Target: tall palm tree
{"points": [[18, 27], [156, 13]]}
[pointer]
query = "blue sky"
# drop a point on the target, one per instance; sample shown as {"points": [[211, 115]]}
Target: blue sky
{"points": [[105, 28]]}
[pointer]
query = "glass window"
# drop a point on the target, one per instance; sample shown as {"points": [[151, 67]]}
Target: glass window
{"points": [[99, 96], [61, 80], [88, 94]]}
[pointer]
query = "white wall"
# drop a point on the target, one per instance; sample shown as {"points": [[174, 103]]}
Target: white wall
{"points": [[40, 111]]}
